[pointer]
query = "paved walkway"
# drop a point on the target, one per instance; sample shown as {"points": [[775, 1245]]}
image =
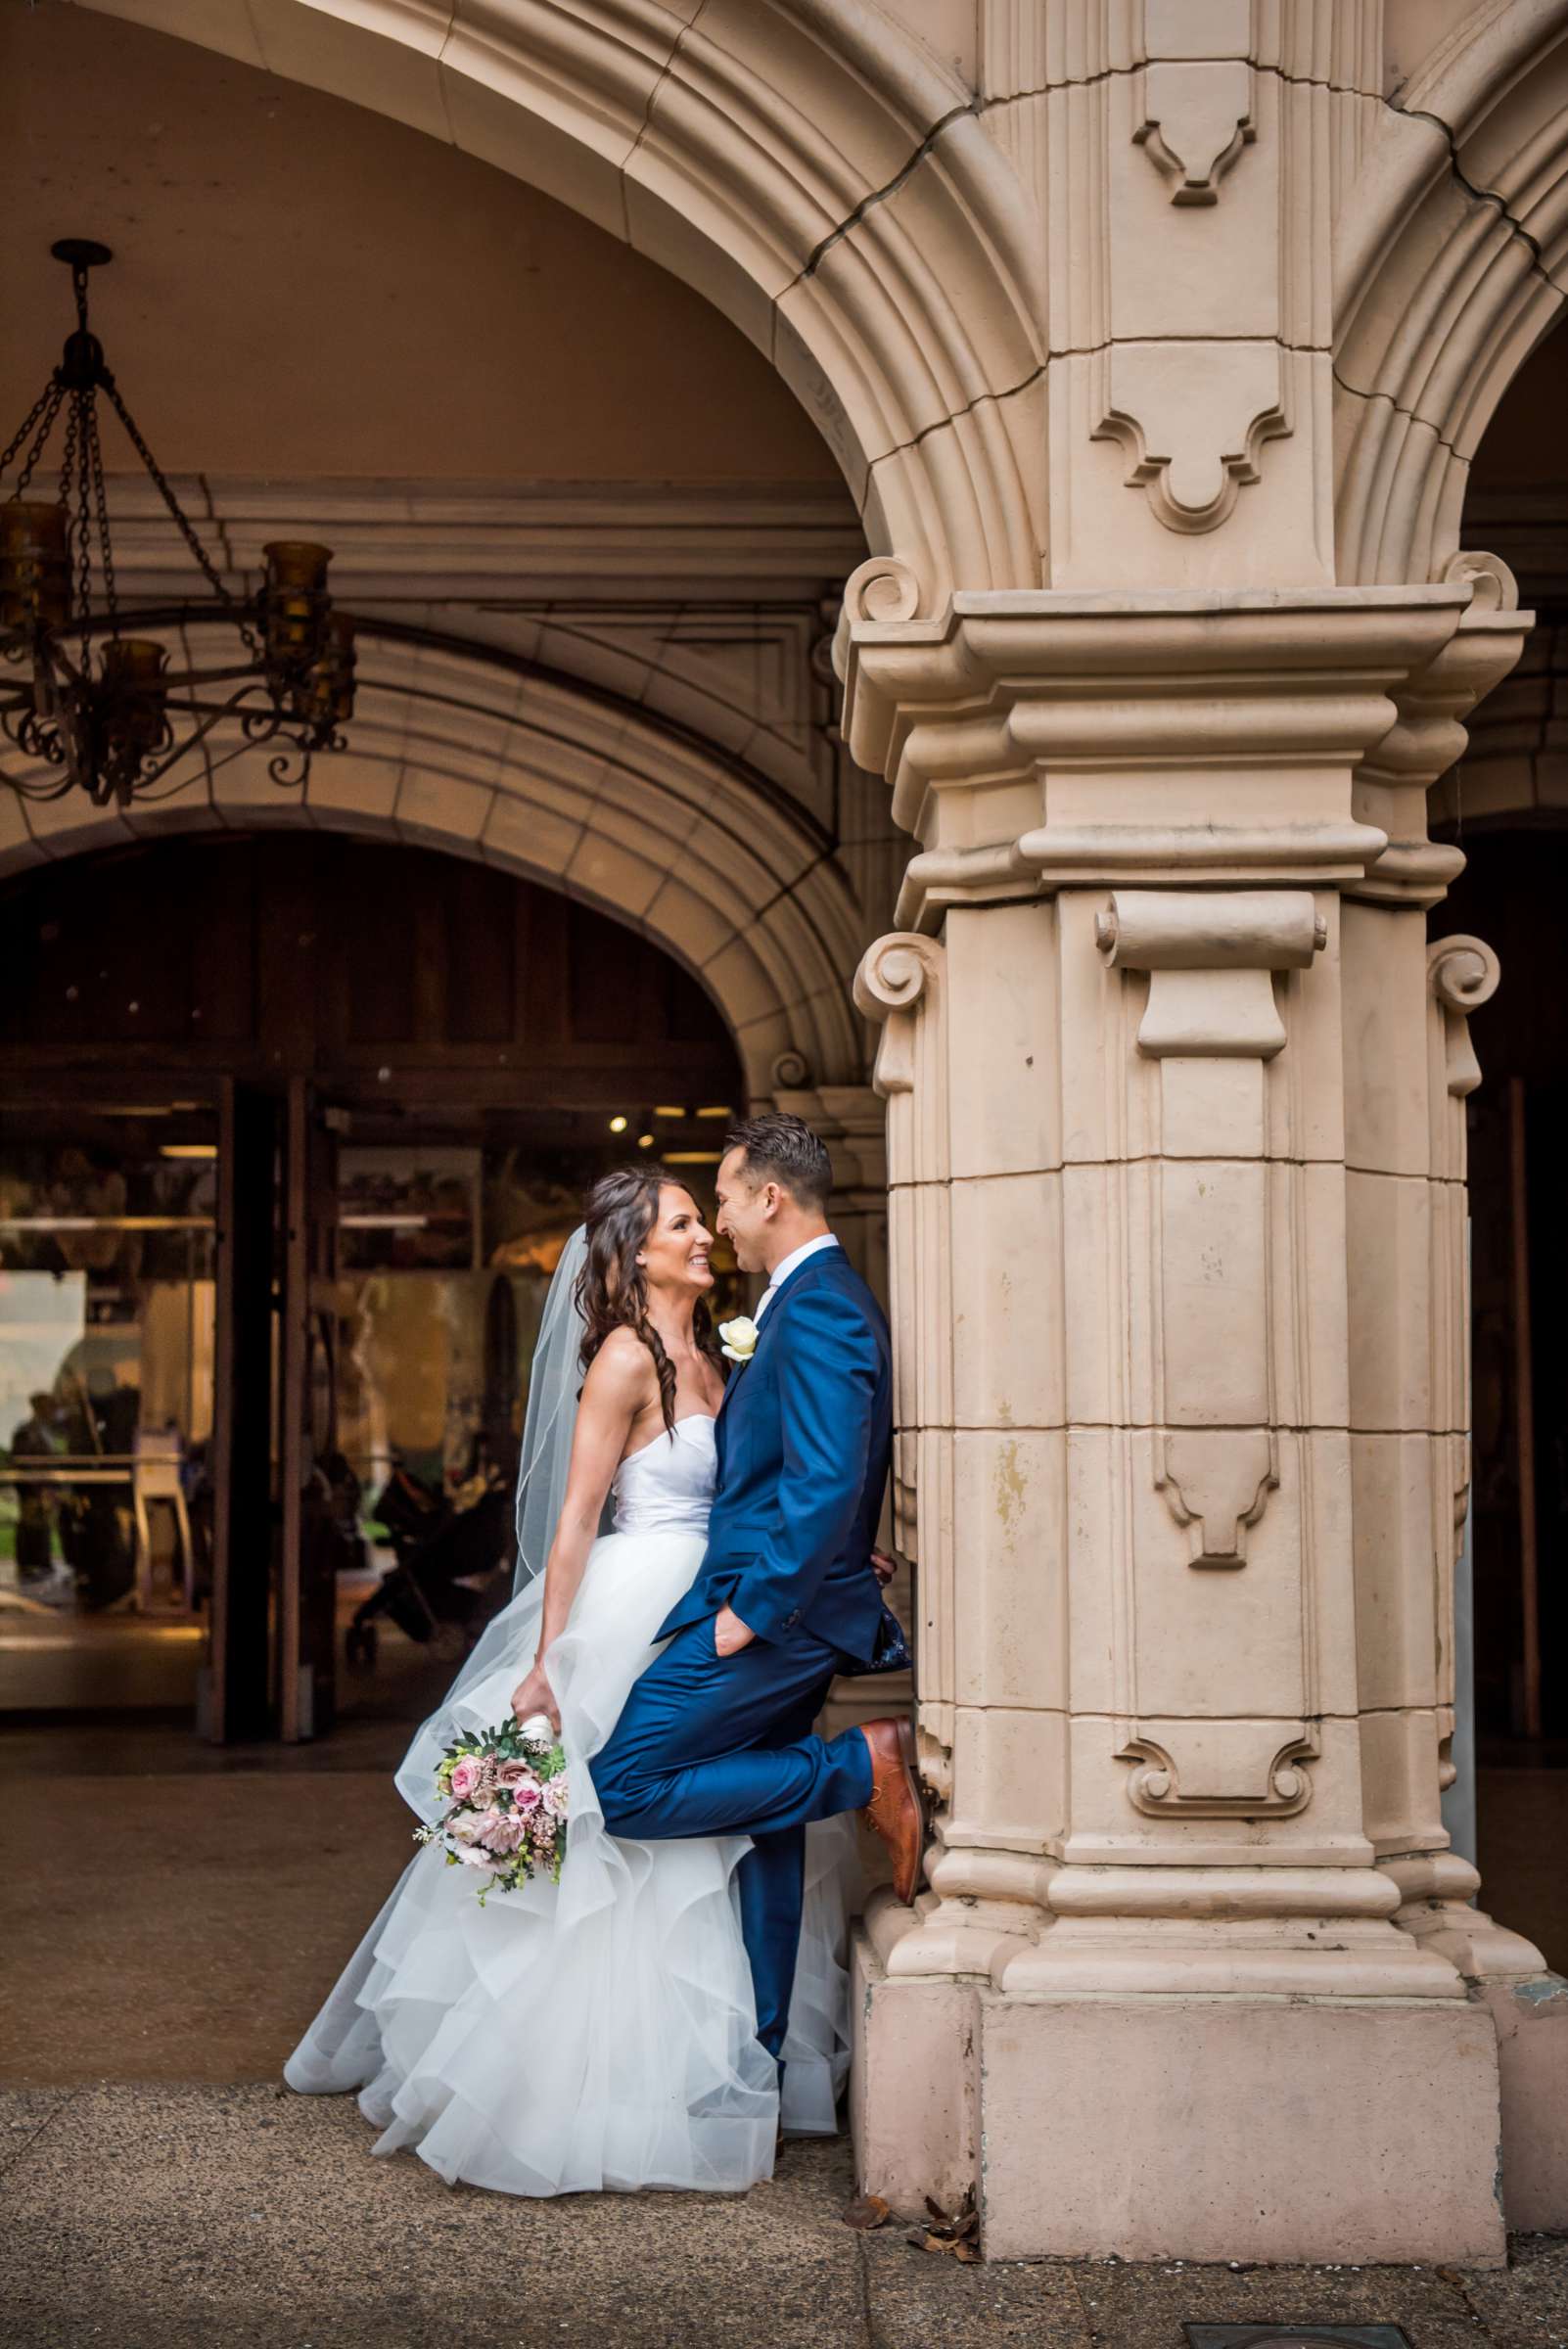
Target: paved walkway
{"points": [[162, 2190], [143, 2216]]}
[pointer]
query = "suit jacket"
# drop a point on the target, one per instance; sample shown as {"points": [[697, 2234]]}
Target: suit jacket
{"points": [[804, 1431]]}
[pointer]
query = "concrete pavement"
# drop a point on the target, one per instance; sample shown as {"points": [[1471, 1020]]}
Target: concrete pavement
{"points": [[203, 2217]]}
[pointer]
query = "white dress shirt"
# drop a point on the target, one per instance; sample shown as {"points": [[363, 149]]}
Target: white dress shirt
{"points": [[781, 1272]]}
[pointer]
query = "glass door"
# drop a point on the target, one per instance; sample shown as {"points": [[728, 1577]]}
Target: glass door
{"points": [[107, 1399]]}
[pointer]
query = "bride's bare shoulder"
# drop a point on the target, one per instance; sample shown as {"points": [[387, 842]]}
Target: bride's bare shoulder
{"points": [[622, 1369]]}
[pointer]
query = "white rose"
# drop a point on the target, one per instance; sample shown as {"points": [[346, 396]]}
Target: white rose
{"points": [[738, 1338]]}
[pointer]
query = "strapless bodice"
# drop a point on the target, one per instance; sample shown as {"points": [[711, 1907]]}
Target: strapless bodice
{"points": [[666, 1487]]}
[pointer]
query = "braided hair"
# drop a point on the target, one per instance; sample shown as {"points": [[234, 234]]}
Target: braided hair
{"points": [[612, 1290]]}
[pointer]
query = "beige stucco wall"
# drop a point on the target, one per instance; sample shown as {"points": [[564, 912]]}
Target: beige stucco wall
{"points": [[307, 287]]}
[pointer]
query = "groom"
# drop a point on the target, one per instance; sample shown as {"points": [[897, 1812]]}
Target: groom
{"points": [[716, 1738]]}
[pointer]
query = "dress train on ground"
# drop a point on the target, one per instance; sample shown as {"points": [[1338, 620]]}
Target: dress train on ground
{"points": [[599, 2032]]}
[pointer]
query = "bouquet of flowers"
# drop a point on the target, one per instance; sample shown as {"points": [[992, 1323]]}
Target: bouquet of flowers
{"points": [[507, 1792]]}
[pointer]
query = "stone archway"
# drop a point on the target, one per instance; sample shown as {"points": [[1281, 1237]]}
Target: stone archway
{"points": [[1449, 269], [809, 167], [526, 768]]}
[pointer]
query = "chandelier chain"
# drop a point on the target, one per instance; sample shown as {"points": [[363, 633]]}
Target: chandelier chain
{"points": [[54, 396], [160, 485], [94, 465], [49, 398], [74, 476]]}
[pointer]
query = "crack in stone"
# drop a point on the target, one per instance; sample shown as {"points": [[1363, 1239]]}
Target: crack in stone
{"points": [[881, 195], [1092, 81], [968, 409], [1357, 391], [1511, 220], [665, 71]]}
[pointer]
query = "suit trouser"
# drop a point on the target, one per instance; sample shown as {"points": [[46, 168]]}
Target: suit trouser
{"points": [[716, 1745]]}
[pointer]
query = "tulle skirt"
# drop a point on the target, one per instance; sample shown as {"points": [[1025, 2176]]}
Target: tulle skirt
{"points": [[599, 2032]]}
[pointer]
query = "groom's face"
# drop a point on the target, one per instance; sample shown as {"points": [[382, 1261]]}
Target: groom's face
{"points": [[745, 1212]]}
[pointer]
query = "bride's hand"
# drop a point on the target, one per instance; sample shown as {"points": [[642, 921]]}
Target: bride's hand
{"points": [[533, 1695]]}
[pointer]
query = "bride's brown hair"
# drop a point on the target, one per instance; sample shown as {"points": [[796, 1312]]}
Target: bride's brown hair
{"points": [[612, 1293]]}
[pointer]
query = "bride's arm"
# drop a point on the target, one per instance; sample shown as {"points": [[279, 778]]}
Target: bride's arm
{"points": [[617, 1388]]}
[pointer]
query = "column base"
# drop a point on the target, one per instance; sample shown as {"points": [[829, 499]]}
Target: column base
{"points": [[1188, 2126], [1529, 2007], [1531, 2017]]}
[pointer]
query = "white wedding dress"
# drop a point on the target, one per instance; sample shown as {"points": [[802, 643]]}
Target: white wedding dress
{"points": [[599, 2033]]}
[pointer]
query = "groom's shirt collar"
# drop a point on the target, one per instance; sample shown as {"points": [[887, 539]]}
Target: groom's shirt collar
{"points": [[792, 1264]]}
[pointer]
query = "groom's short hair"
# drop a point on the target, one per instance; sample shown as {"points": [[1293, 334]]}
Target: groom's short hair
{"points": [[781, 1149]]}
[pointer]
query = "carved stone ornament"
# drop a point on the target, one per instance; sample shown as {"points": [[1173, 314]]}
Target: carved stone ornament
{"points": [[1228, 1769], [1495, 589], [1193, 418], [895, 973], [791, 1071], [883, 589], [1210, 957], [1463, 974], [1196, 118]]}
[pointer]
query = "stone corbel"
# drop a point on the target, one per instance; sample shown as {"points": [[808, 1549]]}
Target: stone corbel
{"points": [[1210, 958]]}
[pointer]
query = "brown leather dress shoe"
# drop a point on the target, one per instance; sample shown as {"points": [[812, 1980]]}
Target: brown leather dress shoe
{"points": [[897, 1810]]}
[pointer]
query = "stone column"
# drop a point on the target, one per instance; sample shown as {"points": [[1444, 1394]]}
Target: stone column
{"points": [[1409, 1069], [1157, 1998]]}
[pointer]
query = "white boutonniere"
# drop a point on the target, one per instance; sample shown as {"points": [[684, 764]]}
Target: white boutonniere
{"points": [[738, 1339]]}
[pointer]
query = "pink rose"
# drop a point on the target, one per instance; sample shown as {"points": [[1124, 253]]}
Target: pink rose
{"points": [[465, 1779], [513, 1774], [527, 1794]]}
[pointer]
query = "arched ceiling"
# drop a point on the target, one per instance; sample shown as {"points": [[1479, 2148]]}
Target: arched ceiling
{"points": [[303, 285]]}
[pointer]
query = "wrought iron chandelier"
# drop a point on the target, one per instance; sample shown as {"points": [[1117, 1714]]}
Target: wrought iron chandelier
{"points": [[99, 708]]}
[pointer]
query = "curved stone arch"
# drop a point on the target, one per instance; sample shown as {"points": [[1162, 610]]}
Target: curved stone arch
{"points": [[807, 166], [1513, 775], [1451, 264], [522, 767]]}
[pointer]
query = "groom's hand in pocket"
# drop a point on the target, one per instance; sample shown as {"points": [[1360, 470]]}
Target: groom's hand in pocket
{"points": [[730, 1635]]}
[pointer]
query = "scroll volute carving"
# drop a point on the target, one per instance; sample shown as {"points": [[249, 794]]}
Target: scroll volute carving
{"points": [[1463, 974], [899, 985], [1211, 959], [1219, 1769]]}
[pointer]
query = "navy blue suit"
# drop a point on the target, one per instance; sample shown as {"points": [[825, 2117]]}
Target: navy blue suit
{"points": [[710, 1744]]}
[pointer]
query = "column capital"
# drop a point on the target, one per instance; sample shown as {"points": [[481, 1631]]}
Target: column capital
{"points": [[1038, 739]]}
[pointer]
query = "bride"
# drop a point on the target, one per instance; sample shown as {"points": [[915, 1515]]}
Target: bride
{"points": [[599, 2032]]}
